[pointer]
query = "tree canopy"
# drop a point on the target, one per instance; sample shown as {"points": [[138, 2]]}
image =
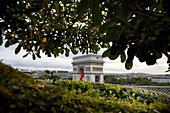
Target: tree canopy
{"points": [[126, 28]]}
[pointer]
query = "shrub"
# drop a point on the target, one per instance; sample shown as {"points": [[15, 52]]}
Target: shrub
{"points": [[20, 93]]}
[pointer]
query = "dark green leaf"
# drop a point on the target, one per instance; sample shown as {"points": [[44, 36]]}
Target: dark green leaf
{"points": [[168, 61], [142, 53], [114, 49], [83, 51], [105, 39], [140, 56], [128, 64], [151, 59], [17, 50], [125, 9], [114, 53], [112, 33], [158, 55], [157, 6], [106, 53], [48, 54], [132, 51], [73, 51], [61, 51], [55, 54], [7, 44], [113, 57], [166, 5], [38, 55], [96, 13], [104, 27], [138, 6], [33, 56], [120, 33], [25, 55], [123, 57], [1, 41], [83, 6], [58, 8], [1, 38], [67, 52]]}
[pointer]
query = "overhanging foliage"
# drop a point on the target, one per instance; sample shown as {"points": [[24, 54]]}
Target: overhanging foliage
{"points": [[142, 27]]}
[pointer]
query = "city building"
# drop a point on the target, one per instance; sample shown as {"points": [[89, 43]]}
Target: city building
{"points": [[92, 66], [64, 74], [165, 79]]}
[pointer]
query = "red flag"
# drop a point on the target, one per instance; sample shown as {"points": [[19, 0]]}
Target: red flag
{"points": [[82, 73]]}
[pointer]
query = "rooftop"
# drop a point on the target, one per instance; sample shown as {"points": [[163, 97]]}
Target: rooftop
{"points": [[85, 56], [91, 58]]}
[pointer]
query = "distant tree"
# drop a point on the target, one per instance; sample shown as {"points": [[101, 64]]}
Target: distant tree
{"points": [[1, 60], [47, 71], [140, 27], [51, 73]]}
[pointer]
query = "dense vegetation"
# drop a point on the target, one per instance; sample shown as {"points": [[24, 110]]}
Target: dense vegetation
{"points": [[132, 81], [20, 93]]}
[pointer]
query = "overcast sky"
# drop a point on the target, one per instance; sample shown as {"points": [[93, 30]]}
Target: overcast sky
{"points": [[64, 63]]}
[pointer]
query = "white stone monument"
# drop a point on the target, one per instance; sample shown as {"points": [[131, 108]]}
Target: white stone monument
{"points": [[92, 65]]}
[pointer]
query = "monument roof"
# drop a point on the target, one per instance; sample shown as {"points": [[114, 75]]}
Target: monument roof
{"points": [[88, 61], [91, 58], [89, 55]]}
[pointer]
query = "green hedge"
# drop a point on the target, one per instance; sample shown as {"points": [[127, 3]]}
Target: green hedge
{"points": [[132, 81], [20, 93]]}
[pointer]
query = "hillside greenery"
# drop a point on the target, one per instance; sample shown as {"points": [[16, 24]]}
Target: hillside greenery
{"points": [[20, 93], [132, 81]]}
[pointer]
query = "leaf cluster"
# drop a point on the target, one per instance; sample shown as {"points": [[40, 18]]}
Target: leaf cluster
{"points": [[127, 28], [136, 29], [54, 28]]}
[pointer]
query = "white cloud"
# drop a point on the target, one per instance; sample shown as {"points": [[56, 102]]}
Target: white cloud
{"points": [[117, 67], [64, 63], [8, 56]]}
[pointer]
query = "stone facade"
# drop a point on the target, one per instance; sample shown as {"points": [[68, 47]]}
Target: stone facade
{"points": [[92, 65]]}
